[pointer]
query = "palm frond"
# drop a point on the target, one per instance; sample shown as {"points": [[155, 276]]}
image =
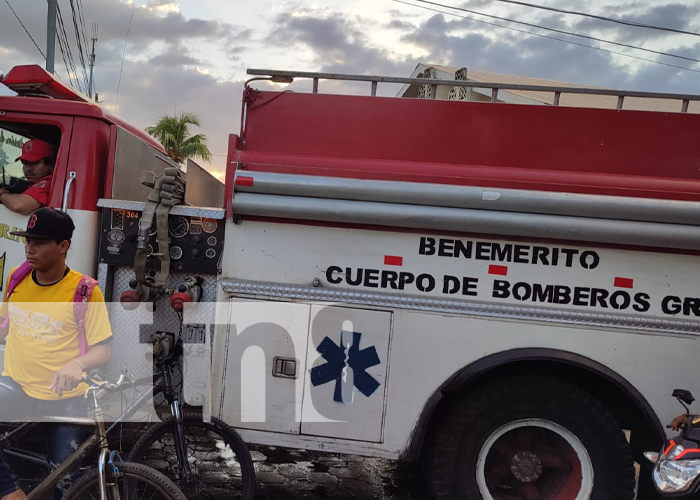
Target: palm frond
{"points": [[173, 132]]}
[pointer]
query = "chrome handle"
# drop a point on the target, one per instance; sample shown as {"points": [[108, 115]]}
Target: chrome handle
{"points": [[66, 190]]}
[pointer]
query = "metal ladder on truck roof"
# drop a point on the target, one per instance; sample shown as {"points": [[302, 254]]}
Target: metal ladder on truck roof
{"points": [[289, 76]]}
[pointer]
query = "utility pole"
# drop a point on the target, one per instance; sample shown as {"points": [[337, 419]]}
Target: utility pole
{"points": [[92, 59], [51, 35]]}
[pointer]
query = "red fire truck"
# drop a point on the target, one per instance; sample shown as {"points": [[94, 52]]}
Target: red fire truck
{"points": [[504, 292]]}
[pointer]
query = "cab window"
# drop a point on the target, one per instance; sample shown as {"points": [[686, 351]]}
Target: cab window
{"points": [[10, 148], [12, 138]]}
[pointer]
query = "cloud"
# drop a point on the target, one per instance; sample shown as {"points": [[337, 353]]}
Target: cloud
{"points": [[155, 22], [175, 55], [400, 25], [338, 44], [506, 52], [675, 16], [396, 13], [331, 37], [155, 25], [163, 6]]}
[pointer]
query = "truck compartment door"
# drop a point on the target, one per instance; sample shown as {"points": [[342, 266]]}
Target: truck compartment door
{"points": [[265, 363], [347, 361]]}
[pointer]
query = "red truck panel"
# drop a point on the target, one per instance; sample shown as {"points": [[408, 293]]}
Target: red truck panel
{"points": [[597, 151]]}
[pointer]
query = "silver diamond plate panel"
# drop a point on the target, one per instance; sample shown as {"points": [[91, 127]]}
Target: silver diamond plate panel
{"points": [[102, 274], [137, 206], [568, 317], [164, 319]]}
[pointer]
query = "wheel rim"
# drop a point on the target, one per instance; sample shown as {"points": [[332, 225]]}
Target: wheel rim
{"points": [[534, 459]]}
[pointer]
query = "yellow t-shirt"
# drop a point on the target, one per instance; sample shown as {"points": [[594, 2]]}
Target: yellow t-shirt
{"points": [[43, 333]]}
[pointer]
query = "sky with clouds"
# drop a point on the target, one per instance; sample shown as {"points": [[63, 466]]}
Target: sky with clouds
{"points": [[192, 55]]}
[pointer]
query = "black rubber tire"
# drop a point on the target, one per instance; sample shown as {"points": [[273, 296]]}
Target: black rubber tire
{"points": [[88, 487], [194, 425], [457, 440]]}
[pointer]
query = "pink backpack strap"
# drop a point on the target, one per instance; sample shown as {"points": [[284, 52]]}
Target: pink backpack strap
{"points": [[80, 306], [15, 278]]}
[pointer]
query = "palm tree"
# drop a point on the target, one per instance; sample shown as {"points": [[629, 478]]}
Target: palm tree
{"points": [[173, 132]]}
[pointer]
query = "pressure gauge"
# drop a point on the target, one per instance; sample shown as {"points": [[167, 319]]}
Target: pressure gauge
{"points": [[175, 253], [178, 227], [209, 225]]}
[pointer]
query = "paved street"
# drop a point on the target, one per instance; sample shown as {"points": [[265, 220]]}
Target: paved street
{"points": [[284, 474], [296, 475]]}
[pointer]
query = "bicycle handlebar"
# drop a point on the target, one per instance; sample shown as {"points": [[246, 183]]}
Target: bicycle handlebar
{"points": [[102, 387]]}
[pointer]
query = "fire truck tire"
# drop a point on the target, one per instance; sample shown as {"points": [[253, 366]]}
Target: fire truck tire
{"points": [[530, 437]]}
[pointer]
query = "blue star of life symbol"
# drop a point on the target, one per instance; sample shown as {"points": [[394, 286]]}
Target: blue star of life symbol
{"points": [[337, 364]]}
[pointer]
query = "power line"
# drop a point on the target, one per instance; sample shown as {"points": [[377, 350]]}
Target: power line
{"points": [[587, 37], [126, 39], [63, 52], [549, 37], [26, 30], [82, 24], [81, 51], [63, 46], [66, 50], [602, 18], [65, 61]]}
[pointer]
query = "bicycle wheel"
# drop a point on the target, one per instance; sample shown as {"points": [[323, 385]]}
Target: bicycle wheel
{"points": [[219, 461], [134, 481]]}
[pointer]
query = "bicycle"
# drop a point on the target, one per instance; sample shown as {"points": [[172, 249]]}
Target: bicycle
{"points": [[189, 440], [185, 441], [113, 479]]}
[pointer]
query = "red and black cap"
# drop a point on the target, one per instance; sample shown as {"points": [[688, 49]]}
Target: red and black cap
{"points": [[35, 150], [48, 223]]}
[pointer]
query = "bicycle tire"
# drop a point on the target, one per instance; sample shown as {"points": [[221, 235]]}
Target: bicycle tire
{"points": [[135, 481], [230, 475]]}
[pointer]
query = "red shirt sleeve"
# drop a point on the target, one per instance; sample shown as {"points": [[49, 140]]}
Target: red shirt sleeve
{"points": [[40, 190]]}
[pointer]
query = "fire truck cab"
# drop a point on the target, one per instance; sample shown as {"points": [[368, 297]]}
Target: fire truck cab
{"points": [[85, 136]]}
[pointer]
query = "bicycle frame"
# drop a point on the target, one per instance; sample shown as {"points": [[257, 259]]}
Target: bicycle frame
{"points": [[98, 439], [28, 426], [160, 384]]}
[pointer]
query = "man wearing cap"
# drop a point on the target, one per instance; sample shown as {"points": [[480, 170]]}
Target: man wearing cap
{"points": [[38, 160], [43, 365]]}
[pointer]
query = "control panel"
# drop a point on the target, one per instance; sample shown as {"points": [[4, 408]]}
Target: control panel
{"points": [[195, 243]]}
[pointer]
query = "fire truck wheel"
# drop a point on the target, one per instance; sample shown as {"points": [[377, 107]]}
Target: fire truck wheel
{"points": [[531, 438]]}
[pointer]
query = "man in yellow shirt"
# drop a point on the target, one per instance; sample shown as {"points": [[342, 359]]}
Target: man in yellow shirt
{"points": [[43, 360]]}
